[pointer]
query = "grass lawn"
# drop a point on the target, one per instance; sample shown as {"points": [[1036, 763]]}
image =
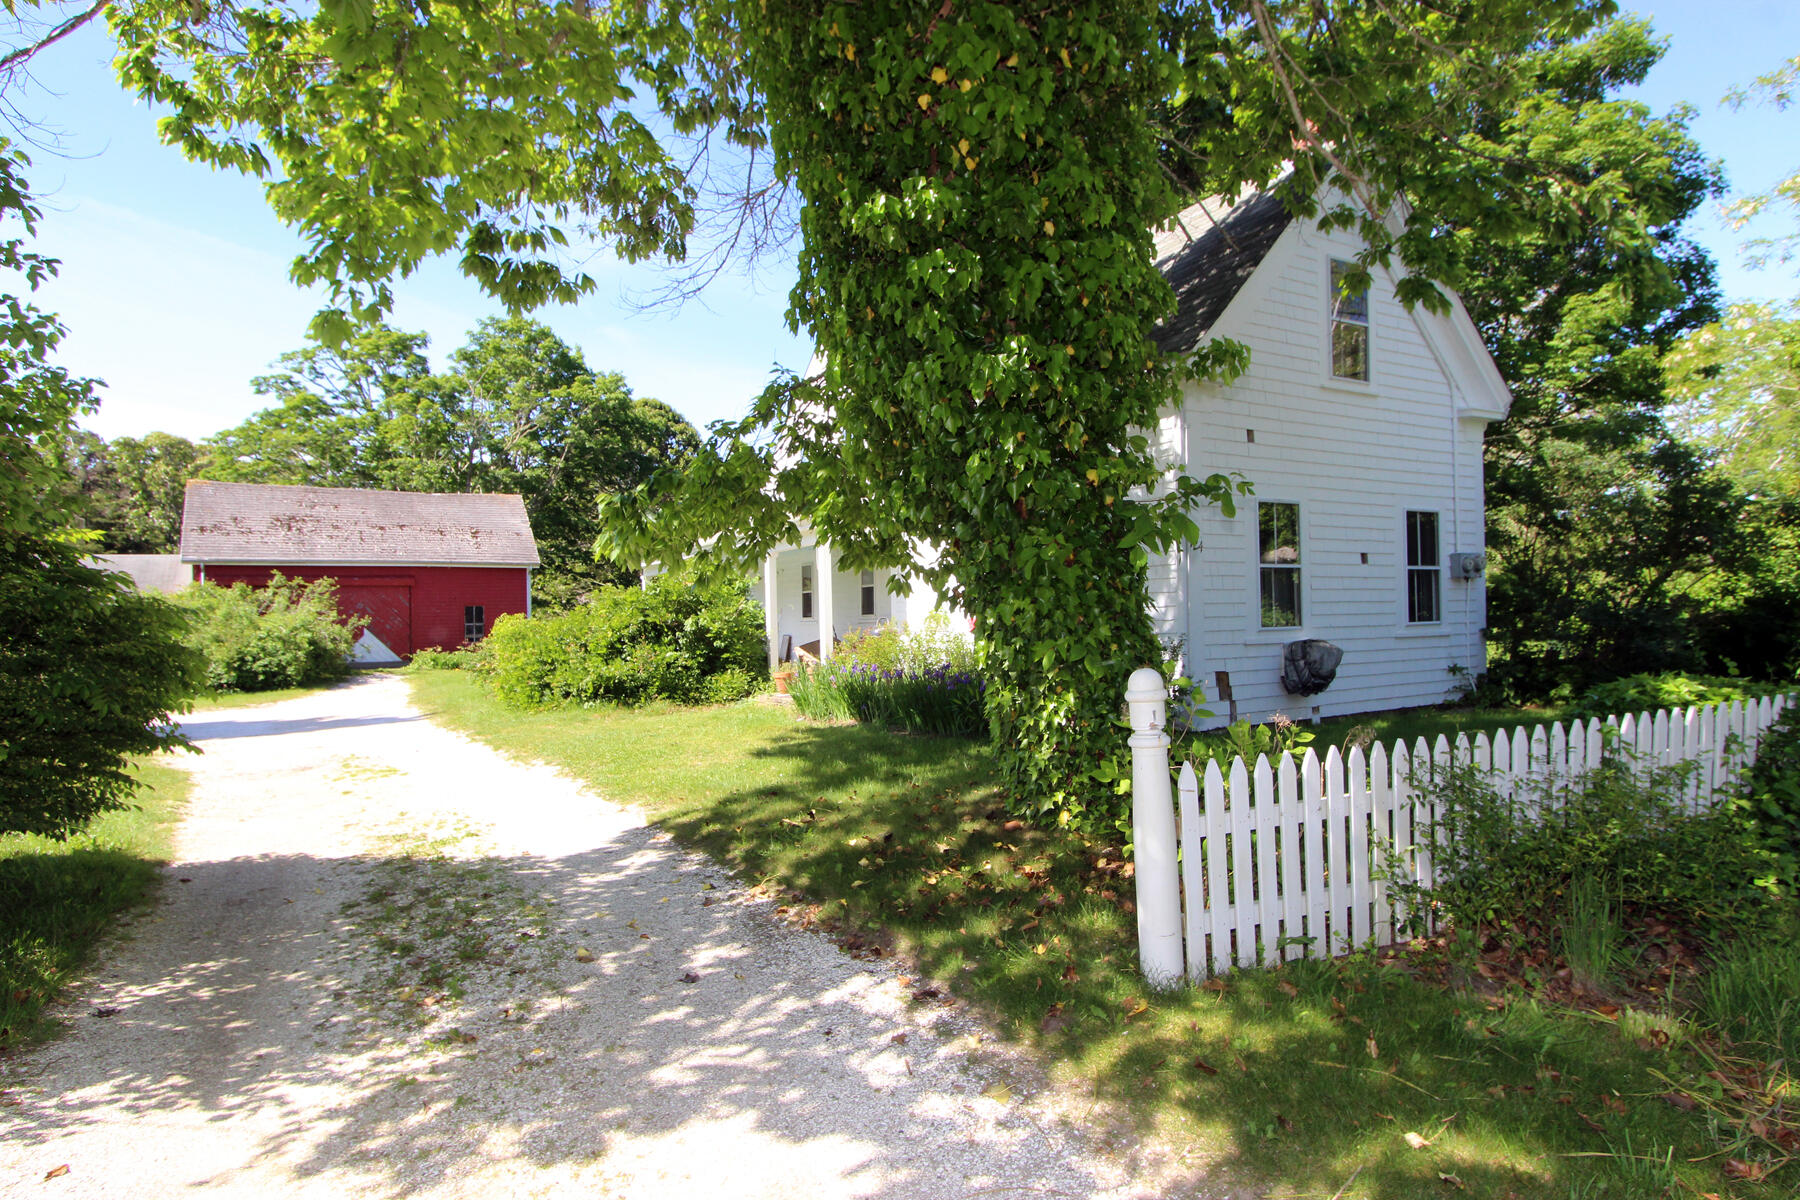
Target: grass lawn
{"points": [[1327, 1080], [58, 898], [213, 701]]}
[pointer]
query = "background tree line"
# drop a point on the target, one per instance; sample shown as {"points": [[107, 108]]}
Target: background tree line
{"points": [[516, 410]]}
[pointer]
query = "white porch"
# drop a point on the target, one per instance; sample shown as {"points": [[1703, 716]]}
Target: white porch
{"points": [[810, 603]]}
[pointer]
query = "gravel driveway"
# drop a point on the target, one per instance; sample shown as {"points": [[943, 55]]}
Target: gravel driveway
{"points": [[390, 961]]}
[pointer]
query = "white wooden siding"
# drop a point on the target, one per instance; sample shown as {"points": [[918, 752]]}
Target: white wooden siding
{"points": [[1355, 458]]}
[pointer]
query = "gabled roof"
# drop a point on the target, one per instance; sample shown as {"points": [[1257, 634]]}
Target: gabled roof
{"points": [[1207, 253], [150, 572], [315, 526]]}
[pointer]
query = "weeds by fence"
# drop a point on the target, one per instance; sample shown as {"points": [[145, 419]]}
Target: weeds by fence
{"points": [[1260, 863]]}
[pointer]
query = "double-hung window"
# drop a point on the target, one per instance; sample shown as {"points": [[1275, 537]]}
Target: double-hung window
{"points": [[474, 623], [1278, 559], [1424, 579], [867, 583], [1349, 325], [806, 591]]}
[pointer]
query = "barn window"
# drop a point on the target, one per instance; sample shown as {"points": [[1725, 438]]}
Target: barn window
{"points": [[474, 623], [1349, 324], [806, 592], [868, 593]]}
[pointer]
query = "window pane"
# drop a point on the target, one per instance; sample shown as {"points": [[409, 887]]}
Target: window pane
{"points": [[1349, 350], [1278, 533], [1280, 596], [1347, 305], [1422, 594], [1421, 539]]}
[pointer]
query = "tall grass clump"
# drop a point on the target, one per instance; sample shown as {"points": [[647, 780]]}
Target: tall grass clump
{"points": [[288, 634], [922, 679]]}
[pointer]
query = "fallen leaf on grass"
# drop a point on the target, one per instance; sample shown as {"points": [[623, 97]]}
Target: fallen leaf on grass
{"points": [[1287, 989], [1054, 1020], [1215, 986], [1737, 1168], [1373, 1048], [1135, 1006], [1684, 1103], [56, 1172], [1286, 1125], [1592, 1124], [1000, 1093], [1614, 1103], [1416, 1141], [1451, 1180], [1204, 1067], [1609, 1011]]}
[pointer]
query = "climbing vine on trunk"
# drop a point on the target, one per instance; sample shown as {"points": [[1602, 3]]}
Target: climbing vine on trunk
{"points": [[979, 188]]}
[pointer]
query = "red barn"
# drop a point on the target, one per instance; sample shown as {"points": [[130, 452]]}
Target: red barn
{"points": [[427, 569]]}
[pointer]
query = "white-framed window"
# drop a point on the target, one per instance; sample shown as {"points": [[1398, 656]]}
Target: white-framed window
{"points": [[474, 623], [1424, 574], [806, 591], [867, 583], [1349, 324], [1278, 563]]}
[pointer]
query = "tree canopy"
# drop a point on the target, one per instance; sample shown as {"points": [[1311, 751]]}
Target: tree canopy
{"points": [[517, 410]]}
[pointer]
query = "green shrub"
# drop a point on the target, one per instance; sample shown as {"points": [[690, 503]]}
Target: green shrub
{"points": [[463, 658], [668, 641], [1244, 740], [1510, 864], [1671, 690], [1771, 796], [288, 634], [90, 672]]}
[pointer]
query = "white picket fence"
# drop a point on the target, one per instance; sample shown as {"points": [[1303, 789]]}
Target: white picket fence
{"points": [[1280, 860]]}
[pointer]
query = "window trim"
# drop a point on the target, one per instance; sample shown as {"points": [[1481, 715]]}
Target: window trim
{"points": [[1298, 568], [1367, 325], [474, 617], [1408, 568]]}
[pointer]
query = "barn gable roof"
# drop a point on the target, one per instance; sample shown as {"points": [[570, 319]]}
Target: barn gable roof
{"points": [[1207, 253], [282, 525]]}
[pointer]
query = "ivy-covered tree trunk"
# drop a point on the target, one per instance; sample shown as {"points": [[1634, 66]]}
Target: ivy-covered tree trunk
{"points": [[979, 185]]}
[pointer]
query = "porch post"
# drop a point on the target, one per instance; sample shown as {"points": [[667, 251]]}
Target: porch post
{"points": [[826, 569], [771, 616]]}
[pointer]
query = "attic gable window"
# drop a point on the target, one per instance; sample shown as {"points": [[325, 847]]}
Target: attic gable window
{"points": [[1349, 324]]}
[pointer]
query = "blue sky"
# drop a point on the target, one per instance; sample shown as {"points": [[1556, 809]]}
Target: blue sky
{"points": [[174, 280]]}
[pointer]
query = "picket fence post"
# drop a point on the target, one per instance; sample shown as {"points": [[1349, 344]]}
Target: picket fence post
{"points": [[1153, 832]]}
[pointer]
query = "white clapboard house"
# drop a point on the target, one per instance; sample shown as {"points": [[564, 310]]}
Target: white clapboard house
{"points": [[1358, 422]]}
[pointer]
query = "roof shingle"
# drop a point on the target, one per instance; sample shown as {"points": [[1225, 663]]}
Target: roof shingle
{"points": [[281, 524], [1207, 253]]}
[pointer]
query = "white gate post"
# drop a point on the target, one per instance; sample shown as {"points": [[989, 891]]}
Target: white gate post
{"points": [[1153, 832]]}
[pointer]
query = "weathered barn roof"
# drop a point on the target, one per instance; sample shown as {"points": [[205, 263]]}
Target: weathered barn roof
{"points": [[1207, 253], [150, 572], [317, 526]]}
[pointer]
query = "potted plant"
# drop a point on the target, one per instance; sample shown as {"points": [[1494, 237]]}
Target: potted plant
{"points": [[784, 677]]}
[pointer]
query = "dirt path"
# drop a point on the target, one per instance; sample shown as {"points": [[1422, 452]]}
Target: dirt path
{"points": [[391, 962]]}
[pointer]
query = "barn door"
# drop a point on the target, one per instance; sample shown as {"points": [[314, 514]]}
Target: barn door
{"points": [[388, 636]]}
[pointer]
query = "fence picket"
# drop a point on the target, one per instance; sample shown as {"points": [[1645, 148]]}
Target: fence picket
{"points": [[1243, 869], [1193, 872], [1218, 874], [1268, 841], [1407, 855], [1337, 853], [1381, 850], [1293, 890], [1312, 801], [1357, 877]]}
